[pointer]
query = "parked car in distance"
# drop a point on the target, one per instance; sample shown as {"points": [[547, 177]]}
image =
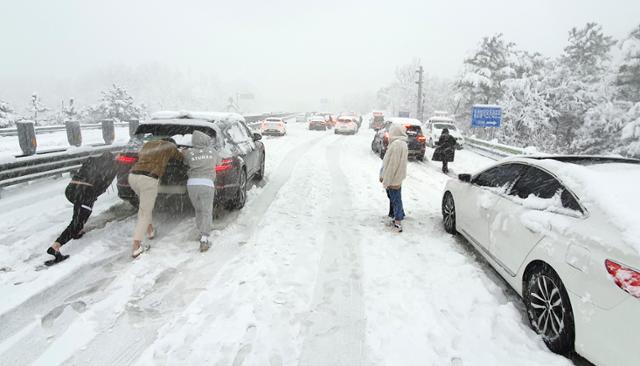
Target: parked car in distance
{"points": [[377, 121], [241, 151], [416, 141], [563, 232], [346, 125], [435, 125], [317, 123], [273, 126]]}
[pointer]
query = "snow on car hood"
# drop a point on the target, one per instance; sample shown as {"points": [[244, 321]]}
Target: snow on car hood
{"points": [[611, 188]]}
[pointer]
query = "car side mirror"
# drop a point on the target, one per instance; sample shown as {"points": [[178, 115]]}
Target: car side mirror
{"points": [[257, 136], [464, 178]]}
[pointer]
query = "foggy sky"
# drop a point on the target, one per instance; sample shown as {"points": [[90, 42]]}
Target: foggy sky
{"points": [[286, 51]]}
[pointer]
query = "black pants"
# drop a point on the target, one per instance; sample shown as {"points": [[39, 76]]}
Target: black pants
{"points": [[445, 166], [83, 197]]}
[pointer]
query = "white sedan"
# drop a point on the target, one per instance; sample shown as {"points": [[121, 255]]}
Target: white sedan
{"points": [[564, 232], [274, 127], [346, 125]]}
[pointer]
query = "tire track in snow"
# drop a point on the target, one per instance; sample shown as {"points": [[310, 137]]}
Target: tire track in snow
{"points": [[136, 328], [336, 332]]}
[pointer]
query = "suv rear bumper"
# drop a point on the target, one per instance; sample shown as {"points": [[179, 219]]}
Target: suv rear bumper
{"points": [[223, 193]]}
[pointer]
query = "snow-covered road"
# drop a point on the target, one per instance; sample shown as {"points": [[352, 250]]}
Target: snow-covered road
{"points": [[308, 273]]}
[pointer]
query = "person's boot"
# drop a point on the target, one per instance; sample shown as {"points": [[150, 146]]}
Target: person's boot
{"points": [[57, 257], [397, 226], [204, 243]]}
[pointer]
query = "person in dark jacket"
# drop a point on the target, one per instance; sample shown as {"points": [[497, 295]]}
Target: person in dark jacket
{"points": [[92, 180], [445, 150]]}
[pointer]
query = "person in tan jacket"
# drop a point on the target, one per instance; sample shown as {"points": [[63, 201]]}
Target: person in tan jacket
{"points": [[394, 171], [143, 179]]}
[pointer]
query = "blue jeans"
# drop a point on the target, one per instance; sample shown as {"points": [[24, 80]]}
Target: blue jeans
{"points": [[396, 209]]}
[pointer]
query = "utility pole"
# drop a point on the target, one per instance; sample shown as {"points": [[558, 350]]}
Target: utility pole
{"points": [[420, 106]]}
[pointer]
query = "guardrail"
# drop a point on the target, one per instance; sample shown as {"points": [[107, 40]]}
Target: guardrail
{"points": [[13, 131], [493, 150], [55, 162]]}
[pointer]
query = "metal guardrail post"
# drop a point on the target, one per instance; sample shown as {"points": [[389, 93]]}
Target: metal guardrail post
{"points": [[108, 131], [133, 126], [74, 134], [27, 137]]}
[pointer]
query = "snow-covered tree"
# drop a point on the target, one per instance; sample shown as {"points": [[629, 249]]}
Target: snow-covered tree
{"points": [[7, 116], [485, 69], [116, 103], [402, 93], [577, 82], [526, 114], [36, 107], [628, 77]]}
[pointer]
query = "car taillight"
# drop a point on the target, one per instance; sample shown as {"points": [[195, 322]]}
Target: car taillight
{"points": [[626, 278], [126, 159], [224, 165], [422, 138]]}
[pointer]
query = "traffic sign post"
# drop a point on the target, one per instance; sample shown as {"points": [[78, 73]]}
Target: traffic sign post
{"points": [[486, 116]]}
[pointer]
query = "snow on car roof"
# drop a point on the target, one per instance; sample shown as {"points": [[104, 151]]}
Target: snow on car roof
{"points": [[608, 183], [196, 115], [405, 120]]}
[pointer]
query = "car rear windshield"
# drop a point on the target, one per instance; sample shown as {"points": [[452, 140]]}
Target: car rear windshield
{"points": [[273, 120], [441, 126], [413, 130], [172, 130], [378, 119]]}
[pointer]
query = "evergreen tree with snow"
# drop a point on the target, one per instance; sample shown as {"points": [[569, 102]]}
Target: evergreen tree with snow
{"points": [[7, 117], [578, 82], [485, 69], [116, 103], [628, 77]]}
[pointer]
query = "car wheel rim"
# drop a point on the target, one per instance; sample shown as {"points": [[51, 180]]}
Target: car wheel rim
{"points": [[449, 213], [547, 309]]}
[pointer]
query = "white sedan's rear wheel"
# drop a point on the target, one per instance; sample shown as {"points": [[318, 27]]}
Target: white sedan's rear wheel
{"points": [[549, 309]]}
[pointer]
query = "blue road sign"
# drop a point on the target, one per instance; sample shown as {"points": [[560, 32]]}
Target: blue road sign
{"points": [[486, 116]]}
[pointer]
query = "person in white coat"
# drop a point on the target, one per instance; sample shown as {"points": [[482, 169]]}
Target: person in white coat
{"points": [[394, 171]]}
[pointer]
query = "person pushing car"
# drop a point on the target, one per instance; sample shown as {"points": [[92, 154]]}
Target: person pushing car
{"points": [[202, 159], [92, 180], [144, 178]]}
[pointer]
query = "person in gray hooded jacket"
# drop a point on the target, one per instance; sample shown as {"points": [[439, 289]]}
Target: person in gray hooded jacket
{"points": [[202, 159]]}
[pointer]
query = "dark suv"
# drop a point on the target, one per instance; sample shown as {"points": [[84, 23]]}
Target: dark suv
{"points": [[416, 141], [241, 151]]}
